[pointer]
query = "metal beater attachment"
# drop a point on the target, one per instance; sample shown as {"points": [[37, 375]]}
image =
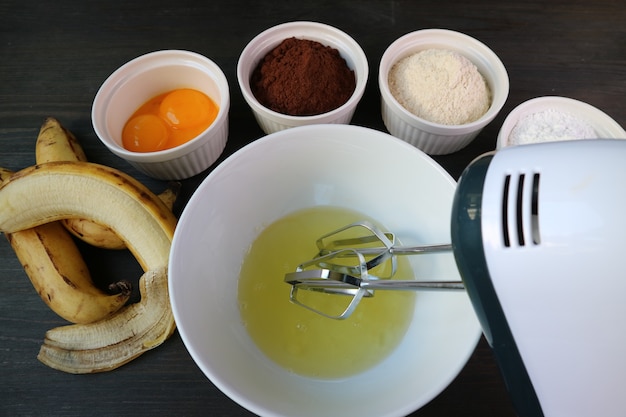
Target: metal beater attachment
{"points": [[344, 261]]}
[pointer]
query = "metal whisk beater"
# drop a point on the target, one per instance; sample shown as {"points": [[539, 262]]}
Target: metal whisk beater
{"points": [[342, 266]]}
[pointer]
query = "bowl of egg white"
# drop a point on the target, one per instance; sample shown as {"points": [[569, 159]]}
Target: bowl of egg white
{"points": [[257, 216]]}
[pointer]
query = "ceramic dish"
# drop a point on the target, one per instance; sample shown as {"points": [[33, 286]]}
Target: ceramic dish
{"points": [[271, 121], [337, 165], [435, 138], [604, 126], [151, 74]]}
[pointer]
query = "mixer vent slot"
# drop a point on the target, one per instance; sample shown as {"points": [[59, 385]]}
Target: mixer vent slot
{"points": [[505, 211], [534, 210], [520, 210]]}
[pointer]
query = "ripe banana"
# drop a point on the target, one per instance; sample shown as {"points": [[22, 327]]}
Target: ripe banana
{"points": [[59, 274], [43, 193], [4, 174], [56, 143]]}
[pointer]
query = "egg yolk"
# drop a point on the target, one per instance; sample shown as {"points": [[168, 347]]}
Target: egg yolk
{"points": [[169, 120], [186, 108], [145, 133]]}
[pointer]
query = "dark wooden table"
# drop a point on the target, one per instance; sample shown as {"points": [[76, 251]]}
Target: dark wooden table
{"points": [[55, 55]]}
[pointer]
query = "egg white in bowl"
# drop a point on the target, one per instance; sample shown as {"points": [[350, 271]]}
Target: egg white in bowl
{"points": [[306, 167]]}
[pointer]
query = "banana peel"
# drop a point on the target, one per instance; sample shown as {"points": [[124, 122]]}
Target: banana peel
{"points": [[109, 344]]}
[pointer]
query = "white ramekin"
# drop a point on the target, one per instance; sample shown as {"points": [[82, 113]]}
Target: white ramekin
{"points": [[604, 126], [146, 76], [271, 121], [435, 138]]}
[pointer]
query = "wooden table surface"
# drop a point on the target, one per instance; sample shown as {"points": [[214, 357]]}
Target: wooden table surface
{"points": [[54, 57]]}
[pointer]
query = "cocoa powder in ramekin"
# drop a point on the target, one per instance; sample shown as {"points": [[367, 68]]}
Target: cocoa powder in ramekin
{"points": [[302, 77]]}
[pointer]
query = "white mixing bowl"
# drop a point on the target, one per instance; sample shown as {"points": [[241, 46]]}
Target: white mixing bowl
{"points": [[338, 165]]}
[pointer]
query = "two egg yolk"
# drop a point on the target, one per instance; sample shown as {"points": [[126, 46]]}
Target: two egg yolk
{"points": [[169, 120]]}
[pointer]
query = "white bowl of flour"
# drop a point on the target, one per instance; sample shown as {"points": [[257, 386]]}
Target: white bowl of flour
{"points": [[553, 118], [437, 130]]}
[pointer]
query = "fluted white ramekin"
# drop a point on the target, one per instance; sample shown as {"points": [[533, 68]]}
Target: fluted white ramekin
{"points": [[435, 138], [151, 74]]}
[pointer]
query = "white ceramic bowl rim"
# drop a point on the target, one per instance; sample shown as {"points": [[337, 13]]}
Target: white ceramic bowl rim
{"points": [[605, 126], [220, 213], [148, 61], [444, 39], [302, 30]]}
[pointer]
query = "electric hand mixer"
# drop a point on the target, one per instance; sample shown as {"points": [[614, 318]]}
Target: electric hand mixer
{"points": [[538, 238]]}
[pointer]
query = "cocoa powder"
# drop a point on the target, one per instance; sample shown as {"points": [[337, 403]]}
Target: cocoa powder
{"points": [[301, 77]]}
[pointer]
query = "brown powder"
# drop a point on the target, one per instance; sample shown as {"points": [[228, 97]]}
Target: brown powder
{"points": [[301, 78]]}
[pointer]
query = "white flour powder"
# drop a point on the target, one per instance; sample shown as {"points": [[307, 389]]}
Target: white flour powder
{"points": [[440, 86], [550, 125]]}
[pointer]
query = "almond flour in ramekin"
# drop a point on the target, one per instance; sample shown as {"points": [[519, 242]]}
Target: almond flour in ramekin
{"points": [[440, 86]]}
